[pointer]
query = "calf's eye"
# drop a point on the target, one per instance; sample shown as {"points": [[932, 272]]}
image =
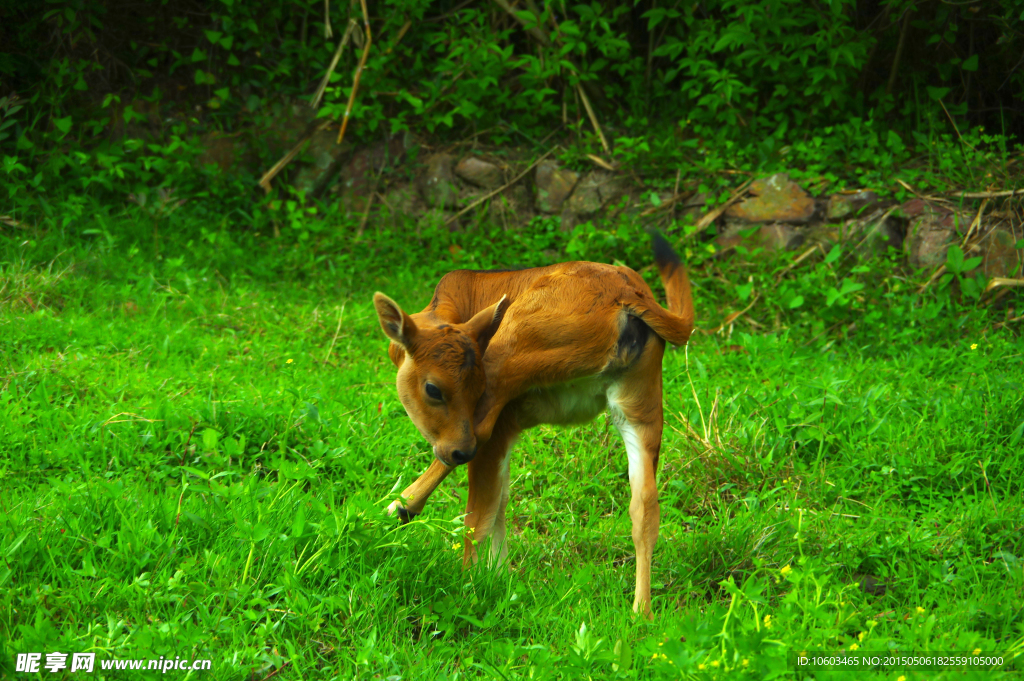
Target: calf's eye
{"points": [[433, 392]]}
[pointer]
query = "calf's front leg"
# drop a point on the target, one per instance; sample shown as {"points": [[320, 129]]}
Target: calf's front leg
{"points": [[488, 497], [415, 496]]}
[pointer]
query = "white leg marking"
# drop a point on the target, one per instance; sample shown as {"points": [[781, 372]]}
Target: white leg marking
{"points": [[499, 546], [634, 449]]}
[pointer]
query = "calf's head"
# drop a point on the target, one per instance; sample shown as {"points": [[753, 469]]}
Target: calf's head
{"points": [[440, 373]]}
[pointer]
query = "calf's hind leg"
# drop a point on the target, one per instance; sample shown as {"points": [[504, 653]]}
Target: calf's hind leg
{"points": [[636, 409]]}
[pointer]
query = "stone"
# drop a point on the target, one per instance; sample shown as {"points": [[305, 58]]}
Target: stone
{"points": [[554, 185], [325, 157], [402, 199], [512, 208], [779, 236], [437, 184], [932, 228], [775, 236], [481, 173], [1000, 255], [287, 122], [218, 150], [850, 205], [694, 206], [873, 235], [774, 199], [568, 220], [586, 198], [361, 172]]}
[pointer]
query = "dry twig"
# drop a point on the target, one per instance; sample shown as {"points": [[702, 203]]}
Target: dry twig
{"points": [[593, 120], [935, 275], [974, 223], [730, 318], [987, 195], [996, 282], [601, 162], [713, 215], [665, 205], [321, 124], [11, 222]]}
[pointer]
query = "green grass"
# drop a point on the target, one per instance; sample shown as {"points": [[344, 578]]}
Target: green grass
{"points": [[195, 460]]}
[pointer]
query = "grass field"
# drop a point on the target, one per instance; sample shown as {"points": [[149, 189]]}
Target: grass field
{"points": [[196, 465]]}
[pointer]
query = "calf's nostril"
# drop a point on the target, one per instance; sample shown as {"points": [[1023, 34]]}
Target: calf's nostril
{"points": [[461, 457]]}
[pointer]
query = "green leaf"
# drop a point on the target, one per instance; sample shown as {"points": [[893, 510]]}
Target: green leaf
{"points": [[417, 103], [299, 522], [796, 302], [1015, 436], [210, 438], [937, 93], [196, 472], [726, 40], [970, 64], [954, 259], [63, 124], [585, 12], [198, 55], [17, 542], [850, 286], [213, 36], [833, 255]]}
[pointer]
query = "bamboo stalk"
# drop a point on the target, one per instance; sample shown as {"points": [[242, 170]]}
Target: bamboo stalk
{"points": [[359, 72], [318, 95]]}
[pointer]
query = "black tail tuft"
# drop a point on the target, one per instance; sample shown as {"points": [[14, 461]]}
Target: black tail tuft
{"points": [[663, 253]]}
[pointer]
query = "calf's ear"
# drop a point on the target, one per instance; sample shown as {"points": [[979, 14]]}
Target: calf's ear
{"points": [[485, 323], [397, 325]]}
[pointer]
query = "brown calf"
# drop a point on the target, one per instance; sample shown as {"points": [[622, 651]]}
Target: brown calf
{"points": [[496, 353]]}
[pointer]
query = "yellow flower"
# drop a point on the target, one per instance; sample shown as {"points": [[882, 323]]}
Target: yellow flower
{"points": [[920, 610], [746, 662], [853, 647], [714, 663], [860, 636], [289, 361], [702, 666], [974, 346], [901, 678], [767, 621], [786, 570], [976, 651], [456, 546]]}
